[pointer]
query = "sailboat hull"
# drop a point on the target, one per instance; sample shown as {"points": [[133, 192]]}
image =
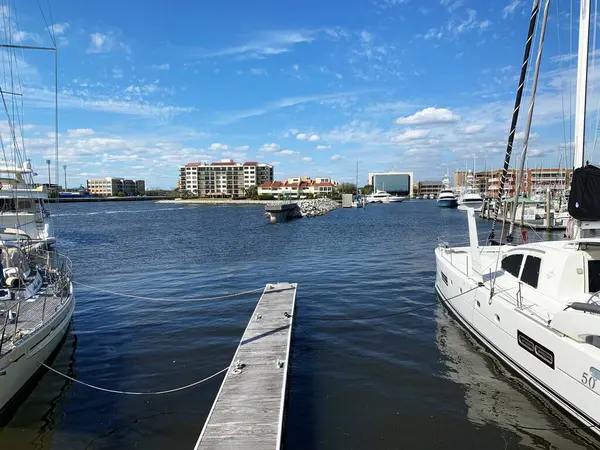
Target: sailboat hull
{"points": [[19, 366]]}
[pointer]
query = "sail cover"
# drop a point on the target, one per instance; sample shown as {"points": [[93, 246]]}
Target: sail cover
{"points": [[584, 201]]}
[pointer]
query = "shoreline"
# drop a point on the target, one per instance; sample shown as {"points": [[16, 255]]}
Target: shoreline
{"points": [[217, 201], [141, 198]]}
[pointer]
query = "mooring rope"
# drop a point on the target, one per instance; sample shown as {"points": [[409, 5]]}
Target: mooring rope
{"points": [[115, 391], [183, 299]]}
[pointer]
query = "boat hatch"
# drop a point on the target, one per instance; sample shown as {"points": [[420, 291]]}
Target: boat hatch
{"points": [[593, 276]]}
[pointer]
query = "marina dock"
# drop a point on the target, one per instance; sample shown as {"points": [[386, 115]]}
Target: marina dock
{"points": [[249, 409]]}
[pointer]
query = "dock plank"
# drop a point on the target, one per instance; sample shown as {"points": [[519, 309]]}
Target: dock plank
{"points": [[248, 410]]}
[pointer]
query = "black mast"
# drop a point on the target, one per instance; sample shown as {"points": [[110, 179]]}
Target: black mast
{"points": [[511, 136]]}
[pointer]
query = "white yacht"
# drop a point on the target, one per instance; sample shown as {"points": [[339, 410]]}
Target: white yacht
{"points": [[536, 306], [470, 196], [379, 196], [24, 216], [446, 197]]}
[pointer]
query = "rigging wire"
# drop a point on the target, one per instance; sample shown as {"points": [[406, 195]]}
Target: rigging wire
{"points": [[562, 91], [50, 30], [115, 391], [183, 299]]}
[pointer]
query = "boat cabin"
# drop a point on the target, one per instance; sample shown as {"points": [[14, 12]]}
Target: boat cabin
{"points": [[563, 280]]}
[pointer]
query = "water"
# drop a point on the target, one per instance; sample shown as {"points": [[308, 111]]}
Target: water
{"points": [[407, 381]]}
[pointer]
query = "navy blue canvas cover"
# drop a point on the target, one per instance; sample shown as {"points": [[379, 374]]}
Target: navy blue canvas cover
{"points": [[584, 201]]}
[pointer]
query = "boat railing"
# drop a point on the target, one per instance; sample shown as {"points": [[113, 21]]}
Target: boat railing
{"points": [[58, 270]]}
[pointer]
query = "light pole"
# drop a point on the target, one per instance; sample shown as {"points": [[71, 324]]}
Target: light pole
{"points": [[65, 168], [49, 180]]}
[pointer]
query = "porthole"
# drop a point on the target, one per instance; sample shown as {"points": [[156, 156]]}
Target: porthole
{"points": [[478, 304], [497, 318]]}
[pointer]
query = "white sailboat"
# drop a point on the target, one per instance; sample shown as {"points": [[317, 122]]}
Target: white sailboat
{"points": [[536, 306], [36, 292]]}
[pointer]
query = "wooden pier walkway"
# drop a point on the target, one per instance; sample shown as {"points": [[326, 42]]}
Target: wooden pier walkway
{"points": [[248, 412]]}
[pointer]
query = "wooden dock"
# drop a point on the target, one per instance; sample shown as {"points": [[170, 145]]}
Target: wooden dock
{"points": [[248, 412]]}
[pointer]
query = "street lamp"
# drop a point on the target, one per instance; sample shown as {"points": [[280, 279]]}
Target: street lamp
{"points": [[49, 181]]}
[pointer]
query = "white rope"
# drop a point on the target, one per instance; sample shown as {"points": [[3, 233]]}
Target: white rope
{"points": [[114, 391], [183, 299]]}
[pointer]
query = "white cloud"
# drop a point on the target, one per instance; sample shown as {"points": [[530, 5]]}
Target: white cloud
{"points": [[275, 163], [432, 34], [510, 8], [105, 43], [270, 147], [262, 45], [165, 66], [218, 147], [86, 100], [287, 152], [242, 148], [323, 147], [59, 28], [335, 157], [78, 132], [473, 129], [22, 36], [117, 73], [411, 135], [307, 159], [429, 115], [258, 72], [308, 137]]}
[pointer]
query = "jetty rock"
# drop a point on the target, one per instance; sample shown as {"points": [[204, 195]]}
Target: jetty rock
{"points": [[315, 207]]}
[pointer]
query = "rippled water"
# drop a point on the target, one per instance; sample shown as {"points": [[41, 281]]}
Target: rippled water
{"points": [[408, 381]]}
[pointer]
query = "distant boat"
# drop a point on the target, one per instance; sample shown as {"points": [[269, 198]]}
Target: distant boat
{"points": [[446, 197], [379, 196]]}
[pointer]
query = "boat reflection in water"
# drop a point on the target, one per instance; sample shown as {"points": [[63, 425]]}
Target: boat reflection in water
{"points": [[494, 396], [35, 413]]}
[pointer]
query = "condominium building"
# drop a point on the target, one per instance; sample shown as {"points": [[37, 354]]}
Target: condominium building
{"points": [[429, 187], [110, 187], [297, 187], [534, 181], [225, 178]]}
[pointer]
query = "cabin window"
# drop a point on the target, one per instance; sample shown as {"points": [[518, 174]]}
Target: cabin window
{"points": [[593, 276], [512, 264], [531, 271]]}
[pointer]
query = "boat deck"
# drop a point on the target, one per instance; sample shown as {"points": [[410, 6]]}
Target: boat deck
{"points": [[248, 412], [32, 313]]}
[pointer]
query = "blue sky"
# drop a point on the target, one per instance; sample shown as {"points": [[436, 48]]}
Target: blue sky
{"points": [[311, 87]]}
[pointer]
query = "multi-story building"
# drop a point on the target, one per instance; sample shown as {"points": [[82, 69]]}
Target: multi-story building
{"points": [[396, 183], [534, 181], [110, 187], [429, 188], [297, 187], [225, 178]]}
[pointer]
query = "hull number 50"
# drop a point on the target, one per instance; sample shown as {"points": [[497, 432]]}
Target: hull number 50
{"points": [[588, 380]]}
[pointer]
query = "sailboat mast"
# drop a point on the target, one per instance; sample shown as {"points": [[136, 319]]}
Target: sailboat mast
{"points": [[581, 94], [582, 73], [536, 75], [511, 136]]}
